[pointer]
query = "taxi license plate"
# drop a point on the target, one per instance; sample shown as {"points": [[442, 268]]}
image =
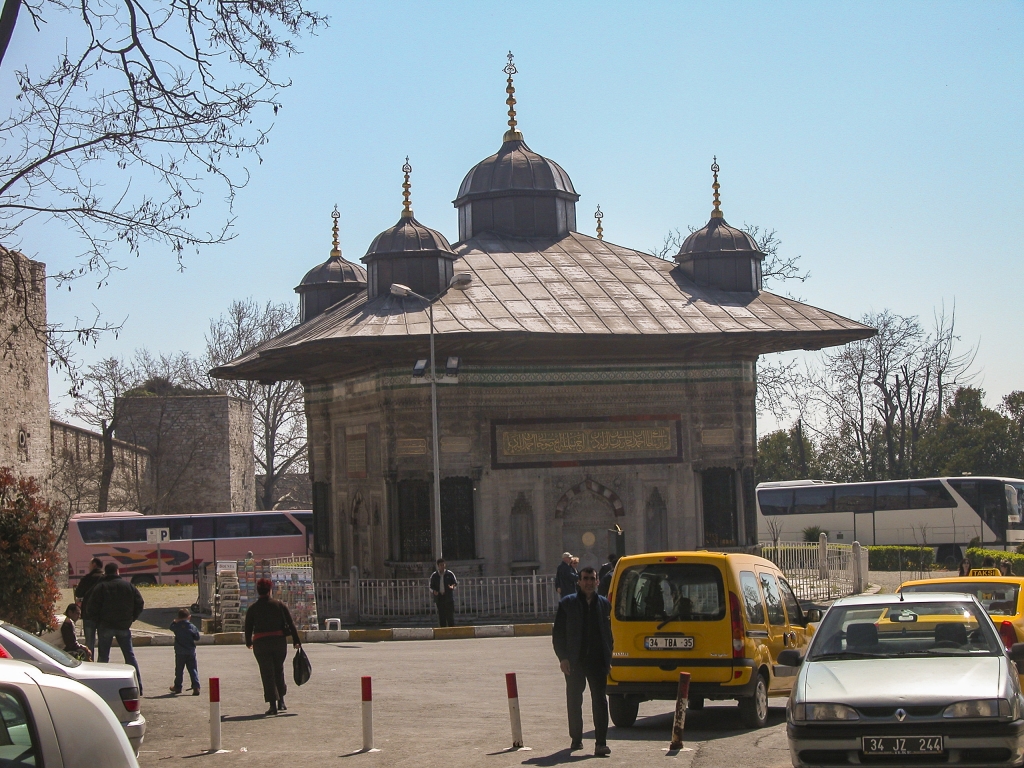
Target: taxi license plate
{"points": [[668, 643], [902, 745]]}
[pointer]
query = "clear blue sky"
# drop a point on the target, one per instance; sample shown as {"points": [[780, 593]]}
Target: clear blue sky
{"points": [[883, 141]]}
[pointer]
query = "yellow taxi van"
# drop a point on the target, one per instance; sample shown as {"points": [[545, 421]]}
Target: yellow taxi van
{"points": [[722, 617]]}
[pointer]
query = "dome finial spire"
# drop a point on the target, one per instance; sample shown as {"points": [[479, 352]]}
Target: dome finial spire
{"points": [[717, 212], [406, 186], [336, 250], [599, 215], [512, 134]]}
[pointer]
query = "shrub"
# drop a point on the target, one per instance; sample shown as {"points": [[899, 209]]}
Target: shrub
{"points": [[28, 556], [900, 558], [976, 555], [813, 532]]}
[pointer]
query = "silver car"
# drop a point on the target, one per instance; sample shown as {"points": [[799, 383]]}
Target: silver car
{"points": [[114, 683], [918, 680], [52, 721]]}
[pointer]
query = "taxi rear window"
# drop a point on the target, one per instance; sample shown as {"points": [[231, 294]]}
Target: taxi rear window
{"points": [[657, 591], [997, 599]]}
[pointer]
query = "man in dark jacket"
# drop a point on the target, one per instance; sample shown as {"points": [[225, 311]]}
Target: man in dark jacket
{"points": [[85, 585], [268, 623], [582, 638], [565, 577], [114, 604], [442, 587]]}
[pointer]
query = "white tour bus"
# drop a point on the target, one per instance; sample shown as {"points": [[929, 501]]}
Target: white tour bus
{"points": [[944, 512]]}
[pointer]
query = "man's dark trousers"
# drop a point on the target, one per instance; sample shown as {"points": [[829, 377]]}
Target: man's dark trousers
{"points": [[270, 653], [580, 677], [446, 611], [183, 661], [106, 636]]}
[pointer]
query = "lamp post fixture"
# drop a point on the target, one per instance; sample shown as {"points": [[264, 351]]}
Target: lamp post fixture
{"points": [[459, 282]]}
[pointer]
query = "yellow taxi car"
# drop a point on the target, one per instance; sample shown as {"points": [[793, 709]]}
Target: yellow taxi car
{"points": [[1000, 596], [724, 618]]}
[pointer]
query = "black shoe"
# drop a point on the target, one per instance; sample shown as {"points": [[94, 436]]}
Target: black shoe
{"points": [[272, 710], [281, 706], [602, 750], [175, 690], [195, 691], [576, 745]]}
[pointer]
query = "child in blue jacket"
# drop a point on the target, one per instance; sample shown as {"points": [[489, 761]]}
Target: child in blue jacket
{"points": [[185, 636]]}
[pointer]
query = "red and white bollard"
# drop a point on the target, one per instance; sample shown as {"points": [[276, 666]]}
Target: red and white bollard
{"points": [[682, 701], [513, 710], [367, 714], [215, 742]]}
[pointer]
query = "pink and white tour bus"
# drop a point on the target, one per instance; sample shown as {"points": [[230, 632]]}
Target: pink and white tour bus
{"points": [[194, 540]]}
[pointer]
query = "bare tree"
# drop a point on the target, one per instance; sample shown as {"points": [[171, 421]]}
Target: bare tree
{"points": [[279, 419], [144, 103]]}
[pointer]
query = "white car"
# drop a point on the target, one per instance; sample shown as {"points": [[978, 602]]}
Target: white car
{"points": [[114, 683], [53, 721]]}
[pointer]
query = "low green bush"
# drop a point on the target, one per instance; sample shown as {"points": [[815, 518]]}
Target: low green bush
{"points": [[894, 558], [976, 555]]}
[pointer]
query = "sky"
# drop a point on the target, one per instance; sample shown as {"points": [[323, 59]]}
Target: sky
{"points": [[882, 141]]}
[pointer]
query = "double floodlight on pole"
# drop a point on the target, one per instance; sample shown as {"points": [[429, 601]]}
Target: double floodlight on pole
{"points": [[459, 282]]}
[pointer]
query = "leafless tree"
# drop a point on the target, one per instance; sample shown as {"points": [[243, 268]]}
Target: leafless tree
{"points": [[144, 103], [774, 523]]}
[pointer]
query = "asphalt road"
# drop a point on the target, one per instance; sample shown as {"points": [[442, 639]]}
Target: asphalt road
{"points": [[436, 703]]}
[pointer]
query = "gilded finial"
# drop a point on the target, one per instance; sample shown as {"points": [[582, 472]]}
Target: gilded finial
{"points": [[600, 230], [336, 250], [511, 134], [717, 212], [406, 186]]}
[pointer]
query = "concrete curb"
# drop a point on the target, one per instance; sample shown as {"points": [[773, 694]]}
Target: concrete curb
{"points": [[372, 635]]}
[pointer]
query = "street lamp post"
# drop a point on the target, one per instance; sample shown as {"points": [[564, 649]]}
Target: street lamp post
{"points": [[461, 282]]}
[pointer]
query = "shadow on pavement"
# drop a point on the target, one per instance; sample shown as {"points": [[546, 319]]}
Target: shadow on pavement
{"points": [[240, 718], [560, 757], [705, 724]]}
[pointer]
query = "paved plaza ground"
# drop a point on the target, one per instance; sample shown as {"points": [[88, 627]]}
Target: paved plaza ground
{"points": [[436, 703]]}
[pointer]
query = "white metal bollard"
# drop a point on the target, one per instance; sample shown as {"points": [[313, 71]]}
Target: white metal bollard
{"points": [[513, 710], [215, 742], [367, 714], [822, 555]]}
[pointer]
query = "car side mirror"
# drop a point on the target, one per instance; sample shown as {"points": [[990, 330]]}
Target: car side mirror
{"points": [[813, 615], [1017, 652], [792, 658]]}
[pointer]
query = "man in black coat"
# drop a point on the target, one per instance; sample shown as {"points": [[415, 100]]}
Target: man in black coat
{"points": [[566, 577], [442, 586], [114, 604], [85, 585], [582, 638]]}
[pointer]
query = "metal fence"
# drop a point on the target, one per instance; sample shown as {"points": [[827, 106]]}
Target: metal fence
{"points": [[820, 571], [380, 601]]}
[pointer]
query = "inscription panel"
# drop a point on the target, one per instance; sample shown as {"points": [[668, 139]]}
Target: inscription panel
{"points": [[590, 441]]}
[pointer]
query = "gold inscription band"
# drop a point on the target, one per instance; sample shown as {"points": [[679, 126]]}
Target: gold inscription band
{"points": [[582, 441]]}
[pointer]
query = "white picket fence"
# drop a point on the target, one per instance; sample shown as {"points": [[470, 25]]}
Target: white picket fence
{"points": [[820, 571]]}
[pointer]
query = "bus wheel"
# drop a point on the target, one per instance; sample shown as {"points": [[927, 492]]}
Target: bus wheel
{"points": [[623, 710], [144, 580]]}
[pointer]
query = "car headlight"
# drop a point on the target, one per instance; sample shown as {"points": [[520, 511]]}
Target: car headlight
{"points": [[979, 708], [823, 712]]}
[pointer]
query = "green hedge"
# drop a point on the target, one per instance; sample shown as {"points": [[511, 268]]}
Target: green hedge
{"points": [[976, 555], [900, 558]]}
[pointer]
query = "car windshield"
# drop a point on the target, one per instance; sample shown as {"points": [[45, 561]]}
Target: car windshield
{"points": [[659, 591], [54, 653], [997, 599], [896, 630]]}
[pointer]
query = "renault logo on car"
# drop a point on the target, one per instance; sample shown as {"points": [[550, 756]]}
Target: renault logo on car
{"points": [[901, 714]]}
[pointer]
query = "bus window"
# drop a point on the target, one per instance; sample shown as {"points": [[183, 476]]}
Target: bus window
{"points": [[306, 518], [891, 496], [273, 525], [232, 527], [813, 500], [988, 499], [135, 529], [100, 531], [930, 494], [775, 501], [855, 498]]}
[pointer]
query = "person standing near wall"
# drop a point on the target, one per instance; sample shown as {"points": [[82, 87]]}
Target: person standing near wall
{"points": [[442, 586], [268, 623], [85, 585], [114, 604], [565, 577]]}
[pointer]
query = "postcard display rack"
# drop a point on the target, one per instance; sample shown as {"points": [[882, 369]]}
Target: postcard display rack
{"points": [[236, 586], [293, 586]]}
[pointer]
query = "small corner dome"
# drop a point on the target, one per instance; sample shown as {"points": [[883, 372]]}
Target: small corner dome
{"points": [[717, 237], [335, 270], [408, 238], [515, 167]]}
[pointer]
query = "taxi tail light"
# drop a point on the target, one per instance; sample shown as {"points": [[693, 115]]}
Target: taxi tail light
{"points": [[130, 699], [736, 619], [1007, 634]]}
